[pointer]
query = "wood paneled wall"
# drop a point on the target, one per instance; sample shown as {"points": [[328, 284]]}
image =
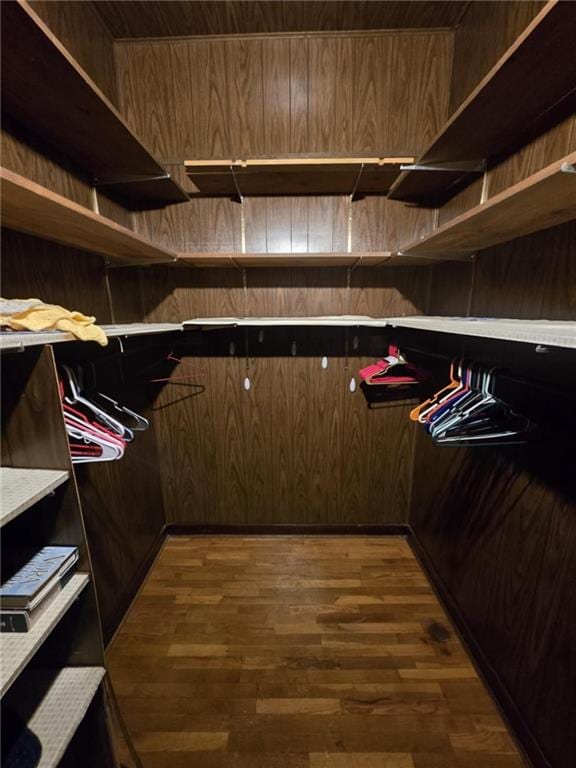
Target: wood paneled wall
{"points": [[498, 526], [135, 18], [484, 34], [384, 93], [299, 447]]}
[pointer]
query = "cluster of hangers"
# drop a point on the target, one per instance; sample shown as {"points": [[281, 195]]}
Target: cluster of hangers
{"points": [[98, 427], [393, 371], [468, 412]]}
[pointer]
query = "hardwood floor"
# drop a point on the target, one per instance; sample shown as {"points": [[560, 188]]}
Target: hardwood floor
{"points": [[299, 652]]}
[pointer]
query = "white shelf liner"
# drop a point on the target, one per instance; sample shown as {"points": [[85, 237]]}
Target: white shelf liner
{"points": [[320, 320], [17, 648], [22, 488], [20, 339], [551, 333], [57, 717]]}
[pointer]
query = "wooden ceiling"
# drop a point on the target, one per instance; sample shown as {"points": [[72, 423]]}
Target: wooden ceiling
{"points": [[176, 18]]}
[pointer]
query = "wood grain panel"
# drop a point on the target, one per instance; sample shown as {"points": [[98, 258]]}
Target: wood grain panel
{"points": [[244, 75], [379, 223], [322, 87], [463, 201], [53, 273], [161, 19], [370, 92], [486, 32], [81, 30], [122, 504], [299, 84], [29, 158], [498, 526], [427, 102], [276, 106], [537, 154], [515, 280]]}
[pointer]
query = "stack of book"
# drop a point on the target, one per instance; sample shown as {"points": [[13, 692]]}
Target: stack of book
{"points": [[26, 595]]}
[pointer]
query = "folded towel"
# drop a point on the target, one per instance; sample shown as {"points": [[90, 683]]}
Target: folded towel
{"points": [[34, 315]]}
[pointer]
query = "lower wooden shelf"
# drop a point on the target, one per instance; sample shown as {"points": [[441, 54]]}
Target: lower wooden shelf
{"points": [[16, 649], [545, 199], [31, 208], [57, 717]]}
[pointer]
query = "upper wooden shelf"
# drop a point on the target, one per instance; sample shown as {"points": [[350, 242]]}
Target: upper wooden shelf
{"points": [[33, 209], [533, 80], [46, 90], [543, 200], [241, 260], [297, 175]]}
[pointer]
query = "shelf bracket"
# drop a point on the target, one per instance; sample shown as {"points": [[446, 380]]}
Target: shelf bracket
{"points": [[237, 185], [105, 182], [150, 263], [471, 166]]}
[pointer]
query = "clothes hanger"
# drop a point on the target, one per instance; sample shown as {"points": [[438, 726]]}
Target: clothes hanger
{"points": [[89, 442], [483, 419], [110, 450], [421, 412], [75, 396], [379, 373], [431, 402], [140, 423]]}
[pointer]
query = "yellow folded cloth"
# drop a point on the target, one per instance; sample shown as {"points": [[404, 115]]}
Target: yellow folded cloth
{"points": [[34, 315]]}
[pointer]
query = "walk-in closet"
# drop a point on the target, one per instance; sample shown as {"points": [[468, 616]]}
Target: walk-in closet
{"points": [[288, 351]]}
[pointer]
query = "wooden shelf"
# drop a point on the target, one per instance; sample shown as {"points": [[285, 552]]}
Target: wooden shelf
{"points": [[56, 718], [549, 333], [33, 209], [47, 91], [14, 340], [22, 488], [356, 259], [534, 76], [297, 175], [543, 200], [329, 321], [18, 648]]}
